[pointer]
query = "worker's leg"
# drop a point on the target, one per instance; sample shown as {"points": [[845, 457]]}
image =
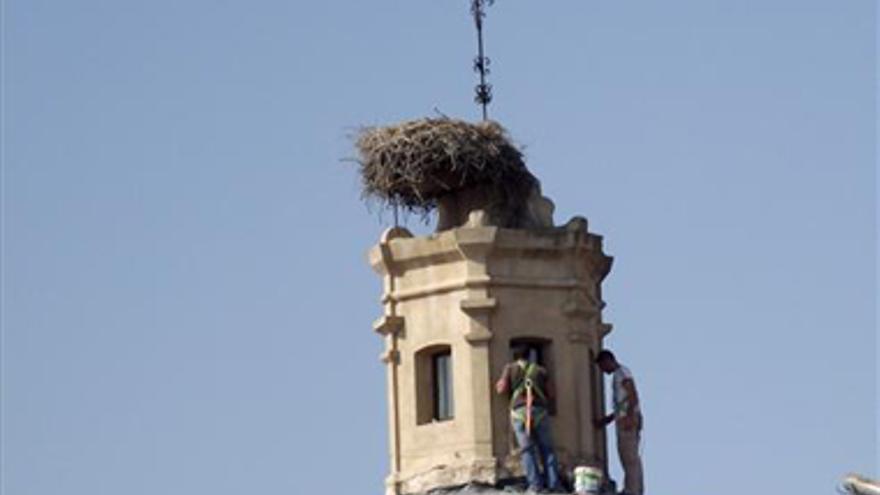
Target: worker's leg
{"points": [[544, 440], [628, 448], [528, 456]]}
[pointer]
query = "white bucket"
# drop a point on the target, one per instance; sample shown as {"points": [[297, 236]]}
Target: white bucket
{"points": [[587, 480]]}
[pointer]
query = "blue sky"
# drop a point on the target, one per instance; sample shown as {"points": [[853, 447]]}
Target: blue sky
{"points": [[186, 299]]}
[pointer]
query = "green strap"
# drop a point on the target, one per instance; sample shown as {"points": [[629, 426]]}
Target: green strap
{"points": [[519, 414], [530, 370]]}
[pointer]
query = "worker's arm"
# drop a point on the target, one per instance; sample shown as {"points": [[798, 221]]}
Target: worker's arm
{"points": [[603, 421], [503, 383]]}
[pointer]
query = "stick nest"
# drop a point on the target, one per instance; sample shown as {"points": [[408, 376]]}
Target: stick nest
{"points": [[413, 164]]}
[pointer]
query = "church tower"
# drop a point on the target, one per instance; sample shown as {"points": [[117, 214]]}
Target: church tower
{"points": [[455, 303]]}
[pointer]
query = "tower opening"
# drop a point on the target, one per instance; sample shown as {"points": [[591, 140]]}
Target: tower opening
{"points": [[539, 351], [435, 398]]}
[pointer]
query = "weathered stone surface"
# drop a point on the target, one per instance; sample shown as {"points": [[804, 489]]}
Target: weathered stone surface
{"points": [[453, 209]]}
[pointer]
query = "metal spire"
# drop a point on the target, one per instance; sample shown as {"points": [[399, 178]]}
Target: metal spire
{"points": [[481, 63]]}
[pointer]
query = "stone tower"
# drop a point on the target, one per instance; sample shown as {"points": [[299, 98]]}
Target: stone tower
{"points": [[454, 304]]}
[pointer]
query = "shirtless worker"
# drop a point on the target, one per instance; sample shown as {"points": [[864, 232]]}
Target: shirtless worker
{"points": [[530, 393], [627, 417]]}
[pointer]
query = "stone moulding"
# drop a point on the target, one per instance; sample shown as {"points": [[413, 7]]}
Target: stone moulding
{"points": [[478, 306], [399, 252], [454, 245], [486, 281]]}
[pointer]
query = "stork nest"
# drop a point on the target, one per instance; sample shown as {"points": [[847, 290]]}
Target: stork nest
{"points": [[413, 164]]}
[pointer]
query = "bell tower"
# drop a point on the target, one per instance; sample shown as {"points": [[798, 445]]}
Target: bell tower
{"points": [[454, 304]]}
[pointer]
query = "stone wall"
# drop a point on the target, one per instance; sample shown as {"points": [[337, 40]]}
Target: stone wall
{"points": [[473, 290]]}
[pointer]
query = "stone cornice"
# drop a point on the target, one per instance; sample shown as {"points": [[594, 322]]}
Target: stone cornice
{"points": [[405, 251], [486, 282], [475, 242], [380, 256], [479, 248], [478, 335], [479, 306]]}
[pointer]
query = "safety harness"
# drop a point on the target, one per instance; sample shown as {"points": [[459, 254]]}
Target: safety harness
{"points": [[530, 389]]}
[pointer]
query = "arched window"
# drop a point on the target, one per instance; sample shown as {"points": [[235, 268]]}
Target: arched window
{"points": [[435, 400]]}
